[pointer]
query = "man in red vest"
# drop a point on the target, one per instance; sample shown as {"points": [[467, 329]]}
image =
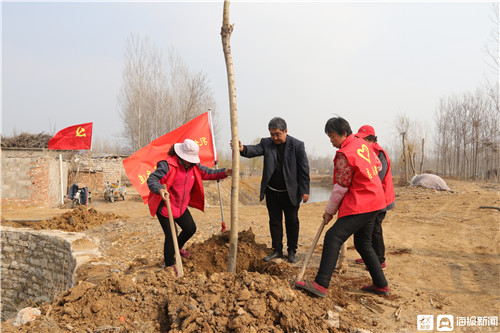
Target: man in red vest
{"points": [[182, 175], [358, 197], [367, 133]]}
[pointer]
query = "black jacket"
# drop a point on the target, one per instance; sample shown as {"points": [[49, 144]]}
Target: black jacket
{"points": [[295, 165]]}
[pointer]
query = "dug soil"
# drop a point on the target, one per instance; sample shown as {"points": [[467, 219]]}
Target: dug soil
{"points": [[442, 253]]}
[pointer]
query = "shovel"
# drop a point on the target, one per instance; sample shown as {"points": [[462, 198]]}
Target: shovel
{"points": [[311, 250], [178, 261]]}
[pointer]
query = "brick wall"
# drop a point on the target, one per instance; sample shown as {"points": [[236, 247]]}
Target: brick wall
{"points": [[32, 180], [31, 177], [110, 169], [93, 180]]}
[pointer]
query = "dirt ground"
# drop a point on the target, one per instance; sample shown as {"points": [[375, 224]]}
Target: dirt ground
{"points": [[442, 254]]}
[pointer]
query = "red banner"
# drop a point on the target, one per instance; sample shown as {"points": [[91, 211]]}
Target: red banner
{"points": [[142, 163], [77, 137]]}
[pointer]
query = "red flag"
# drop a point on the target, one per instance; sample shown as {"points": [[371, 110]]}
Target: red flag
{"points": [[77, 137], [142, 163]]}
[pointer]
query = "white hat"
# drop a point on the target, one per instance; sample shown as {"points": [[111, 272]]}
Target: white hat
{"points": [[188, 151]]}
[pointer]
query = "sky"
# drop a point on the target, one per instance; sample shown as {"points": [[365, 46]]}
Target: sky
{"points": [[306, 62]]}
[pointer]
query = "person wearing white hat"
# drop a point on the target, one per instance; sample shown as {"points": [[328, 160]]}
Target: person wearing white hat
{"points": [[182, 175]]}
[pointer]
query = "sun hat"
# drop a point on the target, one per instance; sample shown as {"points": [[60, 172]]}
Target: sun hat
{"points": [[188, 151], [364, 131]]}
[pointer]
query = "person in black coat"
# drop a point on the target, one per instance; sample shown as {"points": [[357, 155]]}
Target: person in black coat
{"points": [[285, 182]]}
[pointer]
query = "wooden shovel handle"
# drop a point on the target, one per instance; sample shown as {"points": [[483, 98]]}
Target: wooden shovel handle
{"points": [[311, 250], [178, 260]]}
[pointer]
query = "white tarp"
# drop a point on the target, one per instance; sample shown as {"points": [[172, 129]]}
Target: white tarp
{"points": [[429, 180]]}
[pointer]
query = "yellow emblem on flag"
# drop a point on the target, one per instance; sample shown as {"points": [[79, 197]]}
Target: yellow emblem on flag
{"points": [[80, 131]]}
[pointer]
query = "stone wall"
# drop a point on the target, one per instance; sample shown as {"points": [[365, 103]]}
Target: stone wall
{"points": [[37, 265]]}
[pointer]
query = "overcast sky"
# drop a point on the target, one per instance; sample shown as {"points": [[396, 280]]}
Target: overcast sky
{"points": [[62, 62]]}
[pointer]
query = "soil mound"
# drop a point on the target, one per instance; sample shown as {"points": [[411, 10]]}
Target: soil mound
{"points": [[212, 255], [78, 219], [260, 297]]}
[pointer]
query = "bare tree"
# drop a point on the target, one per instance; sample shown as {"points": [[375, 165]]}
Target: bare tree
{"points": [[159, 95], [410, 147], [104, 146], [402, 123], [492, 50], [132, 98], [491, 47], [467, 135], [421, 169], [190, 94]]}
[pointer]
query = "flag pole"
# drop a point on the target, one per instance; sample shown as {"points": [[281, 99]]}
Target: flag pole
{"points": [[223, 224], [88, 182]]}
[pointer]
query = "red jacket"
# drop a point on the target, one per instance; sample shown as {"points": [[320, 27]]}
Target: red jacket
{"points": [[365, 193], [387, 184], [185, 186]]}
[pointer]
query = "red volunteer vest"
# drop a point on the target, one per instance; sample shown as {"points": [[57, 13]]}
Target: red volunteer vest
{"points": [[387, 184], [365, 193], [197, 196]]}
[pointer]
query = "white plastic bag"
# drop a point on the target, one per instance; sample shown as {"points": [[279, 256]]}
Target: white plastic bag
{"points": [[26, 315]]}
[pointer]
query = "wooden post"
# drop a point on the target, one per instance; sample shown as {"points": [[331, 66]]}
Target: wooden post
{"points": [[61, 178], [226, 31]]}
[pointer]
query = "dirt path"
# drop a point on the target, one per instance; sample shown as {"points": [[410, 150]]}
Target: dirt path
{"points": [[442, 259]]}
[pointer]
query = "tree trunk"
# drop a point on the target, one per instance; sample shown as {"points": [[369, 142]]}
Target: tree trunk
{"points": [[403, 181], [412, 157], [422, 159], [226, 31]]}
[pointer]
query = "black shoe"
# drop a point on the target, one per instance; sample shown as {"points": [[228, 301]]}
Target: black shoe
{"points": [[291, 257], [274, 255]]}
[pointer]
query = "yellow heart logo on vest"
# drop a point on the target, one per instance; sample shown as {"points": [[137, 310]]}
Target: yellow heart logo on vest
{"points": [[363, 151]]}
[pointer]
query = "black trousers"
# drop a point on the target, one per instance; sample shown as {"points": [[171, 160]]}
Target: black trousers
{"points": [[361, 225], [378, 237], [278, 203], [188, 227]]}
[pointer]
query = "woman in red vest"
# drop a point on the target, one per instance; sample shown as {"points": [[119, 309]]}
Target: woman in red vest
{"points": [[182, 176], [358, 197], [367, 133]]}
